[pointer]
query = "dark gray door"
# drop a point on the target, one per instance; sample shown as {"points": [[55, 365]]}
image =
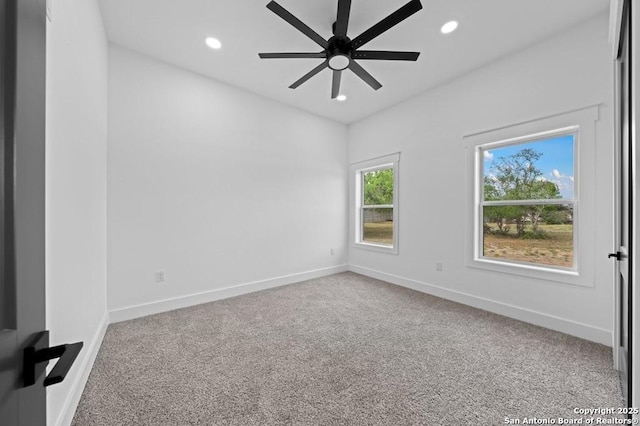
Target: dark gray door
{"points": [[624, 209], [22, 191]]}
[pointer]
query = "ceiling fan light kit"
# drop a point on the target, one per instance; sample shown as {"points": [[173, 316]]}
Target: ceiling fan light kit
{"points": [[339, 62], [340, 52]]}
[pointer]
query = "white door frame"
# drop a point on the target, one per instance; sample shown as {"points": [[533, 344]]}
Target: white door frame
{"points": [[615, 35], [634, 41]]}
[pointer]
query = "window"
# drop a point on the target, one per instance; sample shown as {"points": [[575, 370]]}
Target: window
{"points": [[527, 200], [532, 205], [376, 210]]}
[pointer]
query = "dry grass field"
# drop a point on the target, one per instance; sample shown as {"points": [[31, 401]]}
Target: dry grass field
{"points": [[378, 232], [555, 250]]}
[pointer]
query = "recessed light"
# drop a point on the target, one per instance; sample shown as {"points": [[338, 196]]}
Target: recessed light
{"points": [[213, 43], [449, 27], [341, 98]]}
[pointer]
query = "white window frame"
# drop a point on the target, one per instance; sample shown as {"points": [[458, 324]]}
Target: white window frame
{"points": [[358, 170], [581, 123]]}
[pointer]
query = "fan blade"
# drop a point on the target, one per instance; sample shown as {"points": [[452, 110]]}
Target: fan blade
{"points": [[342, 21], [385, 54], [292, 55], [310, 74], [335, 86], [368, 78], [298, 24], [395, 18]]}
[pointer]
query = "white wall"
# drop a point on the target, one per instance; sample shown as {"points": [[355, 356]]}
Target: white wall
{"points": [[569, 71], [215, 186], [76, 134]]}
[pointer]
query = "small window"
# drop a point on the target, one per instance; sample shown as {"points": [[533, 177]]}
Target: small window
{"points": [[376, 203], [527, 204]]}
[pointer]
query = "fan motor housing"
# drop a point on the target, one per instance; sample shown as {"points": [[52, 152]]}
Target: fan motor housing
{"points": [[339, 53]]}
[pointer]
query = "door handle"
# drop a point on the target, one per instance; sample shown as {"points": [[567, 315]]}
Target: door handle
{"points": [[617, 255], [38, 355]]}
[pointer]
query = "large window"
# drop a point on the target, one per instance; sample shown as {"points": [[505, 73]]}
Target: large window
{"points": [[532, 198], [527, 204], [376, 203]]}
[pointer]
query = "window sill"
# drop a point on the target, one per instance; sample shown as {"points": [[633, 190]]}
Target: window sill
{"points": [[376, 247], [565, 276]]}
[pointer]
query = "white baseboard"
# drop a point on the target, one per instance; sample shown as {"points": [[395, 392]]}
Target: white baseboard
{"points": [[562, 325], [137, 311], [73, 398]]}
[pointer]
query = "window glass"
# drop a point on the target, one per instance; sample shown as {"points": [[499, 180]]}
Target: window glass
{"points": [[377, 226], [527, 204], [378, 187]]}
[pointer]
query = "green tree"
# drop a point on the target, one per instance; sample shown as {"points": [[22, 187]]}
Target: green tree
{"points": [[517, 178], [378, 187], [501, 215]]}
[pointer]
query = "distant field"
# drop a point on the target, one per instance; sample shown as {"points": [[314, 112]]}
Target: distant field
{"points": [[555, 250], [378, 232]]}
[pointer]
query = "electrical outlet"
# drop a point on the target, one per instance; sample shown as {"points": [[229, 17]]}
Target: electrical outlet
{"points": [[160, 278], [439, 266]]}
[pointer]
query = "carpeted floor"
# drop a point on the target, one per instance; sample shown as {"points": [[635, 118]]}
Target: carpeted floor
{"points": [[341, 350]]}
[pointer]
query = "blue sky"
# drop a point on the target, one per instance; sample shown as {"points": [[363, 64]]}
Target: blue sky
{"points": [[556, 162]]}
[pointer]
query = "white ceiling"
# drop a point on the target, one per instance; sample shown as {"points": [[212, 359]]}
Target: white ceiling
{"points": [[174, 31]]}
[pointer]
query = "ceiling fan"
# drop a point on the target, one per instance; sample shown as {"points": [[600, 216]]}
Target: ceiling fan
{"points": [[340, 52]]}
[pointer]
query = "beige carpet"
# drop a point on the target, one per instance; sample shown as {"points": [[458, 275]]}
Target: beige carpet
{"points": [[340, 350]]}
